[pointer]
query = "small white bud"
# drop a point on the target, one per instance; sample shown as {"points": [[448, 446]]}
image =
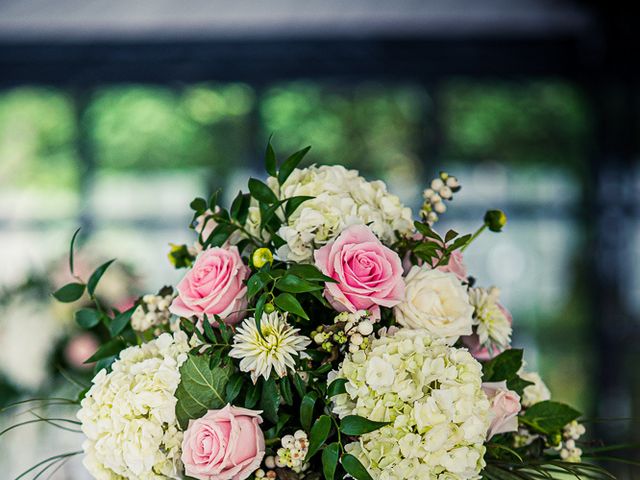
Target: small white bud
{"points": [[287, 441], [365, 327], [437, 184], [446, 193], [259, 473], [353, 348], [435, 199], [270, 462], [428, 193], [564, 454], [300, 434], [357, 339], [452, 182], [279, 462], [318, 338], [570, 444], [432, 217]]}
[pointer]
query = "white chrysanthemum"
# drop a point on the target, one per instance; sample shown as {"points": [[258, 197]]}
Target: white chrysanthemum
{"points": [[493, 324], [431, 395], [129, 417], [275, 350], [532, 394], [437, 302], [341, 198]]}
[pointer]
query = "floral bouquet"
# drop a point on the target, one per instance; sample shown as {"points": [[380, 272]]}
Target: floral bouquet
{"points": [[319, 332]]}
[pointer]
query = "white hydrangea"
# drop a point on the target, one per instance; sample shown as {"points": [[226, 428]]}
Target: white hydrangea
{"points": [[342, 198], [493, 324], [128, 415], [431, 393]]}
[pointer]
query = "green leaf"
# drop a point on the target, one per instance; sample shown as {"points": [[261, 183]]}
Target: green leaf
{"points": [[120, 321], [336, 387], [293, 203], [548, 417], [319, 434], [330, 460], [256, 283], [290, 164], [87, 317], [252, 397], [427, 231], [310, 273], [240, 207], [270, 159], [259, 311], [285, 390], [289, 303], [354, 468], [201, 388], [306, 410], [293, 284], [71, 248], [460, 242], [208, 330], [69, 293], [198, 204], [450, 235], [97, 275], [111, 348], [275, 430], [234, 386], [356, 425], [299, 384], [261, 191], [270, 400], [503, 367]]}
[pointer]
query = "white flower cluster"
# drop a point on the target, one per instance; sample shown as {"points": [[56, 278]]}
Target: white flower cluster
{"points": [[341, 198], [355, 329], [532, 394], [572, 432], [431, 393], [128, 415], [153, 312], [493, 325], [442, 188]]}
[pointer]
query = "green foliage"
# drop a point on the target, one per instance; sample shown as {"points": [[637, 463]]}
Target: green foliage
{"points": [[354, 468], [70, 292], [505, 367], [96, 276], [87, 317], [548, 417], [306, 410], [356, 425], [270, 400], [319, 434], [330, 456], [201, 388]]}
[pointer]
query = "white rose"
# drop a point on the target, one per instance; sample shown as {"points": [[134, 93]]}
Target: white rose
{"points": [[538, 392], [437, 302]]}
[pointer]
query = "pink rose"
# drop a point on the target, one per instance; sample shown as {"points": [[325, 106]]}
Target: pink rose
{"points": [[472, 342], [369, 274], [214, 286], [505, 406], [455, 265], [225, 444]]}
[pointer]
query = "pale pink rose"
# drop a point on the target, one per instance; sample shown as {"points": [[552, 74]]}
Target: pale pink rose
{"points": [[505, 406], [79, 348], [479, 352], [225, 444], [369, 274], [214, 286], [455, 265]]}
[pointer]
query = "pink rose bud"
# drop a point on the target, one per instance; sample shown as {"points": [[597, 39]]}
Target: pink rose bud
{"points": [[214, 286], [225, 444], [369, 274], [505, 406]]}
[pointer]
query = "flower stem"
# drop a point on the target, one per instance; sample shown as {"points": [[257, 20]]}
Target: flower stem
{"points": [[474, 236]]}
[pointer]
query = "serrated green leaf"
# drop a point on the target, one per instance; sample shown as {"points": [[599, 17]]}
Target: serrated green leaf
{"points": [[289, 303], [294, 284], [69, 293], [87, 317], [201, 388], [356, 425], [270, 400], [71, 251], [111, 348], [120, 321], [290, 164], [306, 410], [270, 159], [336, 387], [330, 460], [319, 434], [97, 275], [354, 468], [261, 191], [548, 417]]}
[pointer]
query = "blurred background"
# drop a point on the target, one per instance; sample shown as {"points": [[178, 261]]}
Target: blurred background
{"points": [[115, 114]]}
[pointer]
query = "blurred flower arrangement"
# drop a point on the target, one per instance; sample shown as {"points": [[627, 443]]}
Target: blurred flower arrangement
{"points": [[319, 332]]}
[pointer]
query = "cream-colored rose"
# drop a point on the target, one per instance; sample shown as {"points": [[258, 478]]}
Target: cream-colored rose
{"points": [[437, 302]]}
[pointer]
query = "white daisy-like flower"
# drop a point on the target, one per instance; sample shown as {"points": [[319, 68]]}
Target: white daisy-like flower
{"points": [[275, 349], [494, 325]]}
